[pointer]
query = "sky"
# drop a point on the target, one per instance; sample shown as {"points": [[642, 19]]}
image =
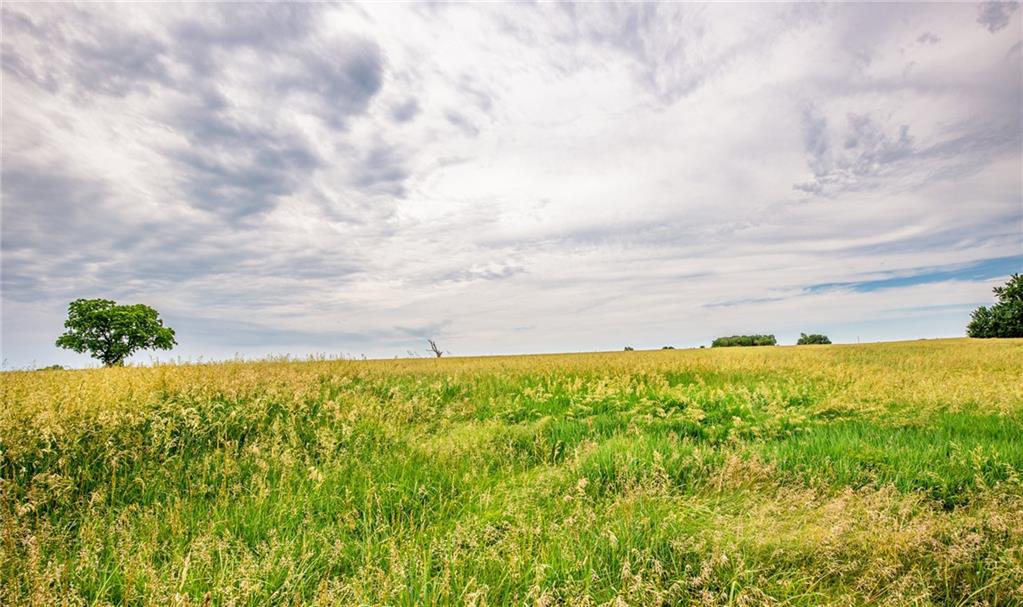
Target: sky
{"points": [[351, 180]]}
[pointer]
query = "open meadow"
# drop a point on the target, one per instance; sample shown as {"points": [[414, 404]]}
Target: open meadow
{"points": [[875, 474]]}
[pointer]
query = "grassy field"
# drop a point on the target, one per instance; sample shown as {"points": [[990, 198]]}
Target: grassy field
{"points": [[817, 475]]}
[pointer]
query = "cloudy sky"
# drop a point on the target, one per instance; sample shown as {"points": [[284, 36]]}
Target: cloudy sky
{"points": [[507, 178]]}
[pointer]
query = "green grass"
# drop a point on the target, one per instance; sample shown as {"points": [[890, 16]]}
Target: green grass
{"points": [[843, 475], [950, 457]]}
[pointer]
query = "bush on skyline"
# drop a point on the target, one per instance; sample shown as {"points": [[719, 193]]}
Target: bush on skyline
{"points": [[744, 340], [813, 338]]}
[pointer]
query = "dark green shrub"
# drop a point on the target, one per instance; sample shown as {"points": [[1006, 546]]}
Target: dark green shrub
{"points": [[744, 340], [813, 338]]}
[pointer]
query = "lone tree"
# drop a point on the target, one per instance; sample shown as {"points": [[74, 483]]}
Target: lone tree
{"points": [[111, 333], [1005, 318]]}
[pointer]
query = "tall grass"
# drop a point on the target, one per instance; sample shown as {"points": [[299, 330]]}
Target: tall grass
{"points": [[843, 475]]}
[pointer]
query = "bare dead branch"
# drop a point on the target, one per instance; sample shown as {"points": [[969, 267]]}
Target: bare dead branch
{"points": [[433, 348]]}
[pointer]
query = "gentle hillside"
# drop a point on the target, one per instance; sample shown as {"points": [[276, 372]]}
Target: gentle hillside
{"points": [[844, 475]]}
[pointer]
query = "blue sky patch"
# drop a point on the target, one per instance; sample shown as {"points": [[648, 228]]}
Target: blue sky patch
{"points": [[980, 270]]}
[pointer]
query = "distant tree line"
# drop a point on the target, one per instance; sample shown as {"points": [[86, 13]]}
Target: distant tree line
{"points": [[756, 340]]}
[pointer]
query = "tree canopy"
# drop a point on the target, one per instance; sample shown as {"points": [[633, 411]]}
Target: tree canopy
{"points": [[744, 340], [1005, 318], [813, 338], [111, 332]]}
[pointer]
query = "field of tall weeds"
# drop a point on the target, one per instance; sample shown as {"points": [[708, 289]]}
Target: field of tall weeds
{"points": [[875, 474]]}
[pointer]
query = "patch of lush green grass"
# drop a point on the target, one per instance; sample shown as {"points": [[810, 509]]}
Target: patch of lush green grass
{"points": [[950, 457]]}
